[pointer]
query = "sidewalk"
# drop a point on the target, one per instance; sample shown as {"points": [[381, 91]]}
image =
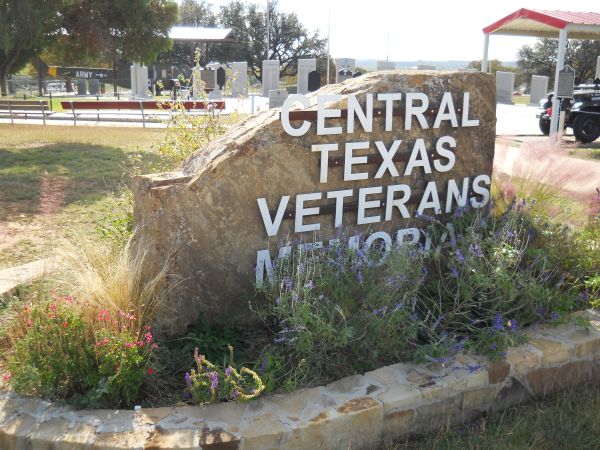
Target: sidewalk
{"points": [[11, 277]]}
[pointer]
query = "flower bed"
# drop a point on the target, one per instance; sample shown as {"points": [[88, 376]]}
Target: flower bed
{"points": [[360, 411]]}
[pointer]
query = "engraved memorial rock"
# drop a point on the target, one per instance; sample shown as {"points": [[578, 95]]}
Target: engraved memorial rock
{"points": [[374, 155]]}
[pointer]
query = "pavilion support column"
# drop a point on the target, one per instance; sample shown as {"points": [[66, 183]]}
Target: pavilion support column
{"points": [[484, 60], [560, 62]]}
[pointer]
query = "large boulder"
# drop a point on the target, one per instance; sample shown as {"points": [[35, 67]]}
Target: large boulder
{"points": [[216, 217]]}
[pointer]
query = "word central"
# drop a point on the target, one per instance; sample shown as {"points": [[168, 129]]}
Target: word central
{"points": [[416, 106]]}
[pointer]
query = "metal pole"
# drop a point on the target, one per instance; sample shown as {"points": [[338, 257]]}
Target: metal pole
{"points": [[328, 44], [560, 62], [484, 60], [268, 30]]}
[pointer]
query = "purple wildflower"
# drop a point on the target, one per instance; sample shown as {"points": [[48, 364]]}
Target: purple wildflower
{"points": [[473, 367], [228, 371], [263, 366], [459, 256], [214, 380], [475, 250], [359, 278], [235, 393], [498, 325], [513, 325], [188, 380], [309, 284], [287, 283], [380, 312], [454, 271]]}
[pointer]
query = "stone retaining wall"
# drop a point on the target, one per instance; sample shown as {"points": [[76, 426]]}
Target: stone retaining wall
{"points": [[356, 412]]}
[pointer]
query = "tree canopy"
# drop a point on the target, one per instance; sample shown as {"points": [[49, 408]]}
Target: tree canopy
{"points": [[289, 40], [26, 26], [136, 30], [540, 59]]}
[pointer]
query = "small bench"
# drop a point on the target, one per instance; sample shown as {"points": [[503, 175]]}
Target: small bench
{"points": [[24, 107], [134, 105]]}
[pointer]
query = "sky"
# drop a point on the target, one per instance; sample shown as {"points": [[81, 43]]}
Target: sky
{"points": [[418, 30]]}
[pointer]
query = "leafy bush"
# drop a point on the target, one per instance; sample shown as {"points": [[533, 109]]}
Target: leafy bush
{"points": [[341, 309], [62, 352], [338, 305]]}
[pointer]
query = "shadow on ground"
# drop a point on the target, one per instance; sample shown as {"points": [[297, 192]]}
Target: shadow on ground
{"points": [[44, 177]]}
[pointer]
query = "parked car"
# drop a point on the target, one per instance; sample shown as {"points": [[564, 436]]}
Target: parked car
{"points": [[582, 112]]}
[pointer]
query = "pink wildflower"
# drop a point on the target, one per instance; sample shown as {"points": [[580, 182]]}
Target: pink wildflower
{"points": [[103, 315]]}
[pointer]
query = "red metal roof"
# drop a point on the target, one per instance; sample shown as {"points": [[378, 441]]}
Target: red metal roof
{"points": [[553, 19]]}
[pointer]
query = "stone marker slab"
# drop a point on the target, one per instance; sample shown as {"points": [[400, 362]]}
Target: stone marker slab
{"points": [[345, 63], [305, 66], [386, 65], [597, 67], [239, 78], [139, 80], [277, 97], [276, 178], [505, 86], [343, 75], [539, 88], [314, 81], [270, 76]]}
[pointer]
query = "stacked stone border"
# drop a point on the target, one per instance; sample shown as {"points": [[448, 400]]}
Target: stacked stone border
{"points": [[357, 412]]}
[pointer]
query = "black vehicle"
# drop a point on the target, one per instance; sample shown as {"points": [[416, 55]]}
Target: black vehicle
{"points": [[582, 112]]}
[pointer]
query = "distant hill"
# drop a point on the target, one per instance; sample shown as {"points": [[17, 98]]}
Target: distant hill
{"points": [[371, 64]]}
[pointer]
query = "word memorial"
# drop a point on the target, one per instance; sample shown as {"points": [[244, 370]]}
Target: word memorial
{"points": [[372, 156], [376, 204]]}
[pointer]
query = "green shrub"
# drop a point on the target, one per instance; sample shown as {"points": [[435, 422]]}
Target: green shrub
{"points": [[64, 353], [337, 307], [341, 310]]}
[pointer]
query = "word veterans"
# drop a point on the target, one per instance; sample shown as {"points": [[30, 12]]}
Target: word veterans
{"points": [[405, 164]]}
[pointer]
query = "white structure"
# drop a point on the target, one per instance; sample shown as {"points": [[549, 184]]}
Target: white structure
{"points": [[277, 97], [539, 88], [386, 65], [597, 68], [305, 66], [239, 79], [270, 76], [505, 86], [139, 80], [561, 24], [345, 63]]}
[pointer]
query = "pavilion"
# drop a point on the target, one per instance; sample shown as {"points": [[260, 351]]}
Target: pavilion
{"points": [[551, 24]]}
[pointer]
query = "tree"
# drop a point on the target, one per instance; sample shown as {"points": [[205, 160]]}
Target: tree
{"points": [[134, 30], [26, 26], [494, 65], [196, 13], [541, 58], [289, 40]]}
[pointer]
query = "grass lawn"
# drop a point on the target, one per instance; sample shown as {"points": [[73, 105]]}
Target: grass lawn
{"points": [[521, 99], [58, 182], [584, 151], [568, 421]]}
